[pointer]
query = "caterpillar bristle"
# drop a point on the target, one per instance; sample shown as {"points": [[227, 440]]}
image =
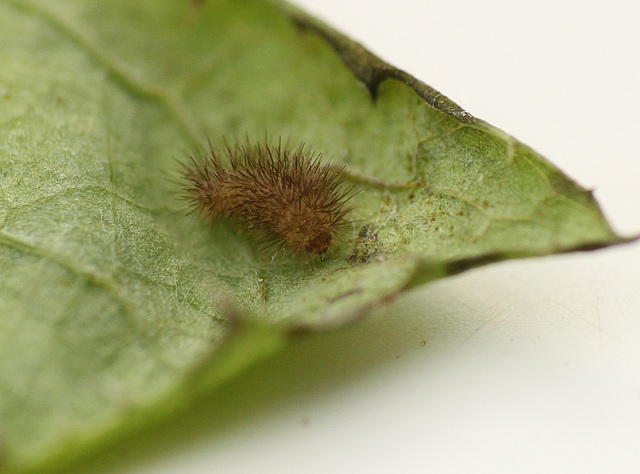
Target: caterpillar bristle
{"points": [[284, 196]]}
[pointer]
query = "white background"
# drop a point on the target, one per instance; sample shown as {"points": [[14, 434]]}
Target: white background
{"points": [[524, 366]]}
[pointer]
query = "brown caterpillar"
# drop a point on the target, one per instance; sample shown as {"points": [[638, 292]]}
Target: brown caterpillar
{"points": [[285, 197]]}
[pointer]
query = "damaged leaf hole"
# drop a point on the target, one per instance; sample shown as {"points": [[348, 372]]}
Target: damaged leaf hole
{"points": [[367, 246]]}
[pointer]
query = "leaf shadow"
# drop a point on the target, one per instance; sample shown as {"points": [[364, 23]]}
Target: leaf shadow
{"points": [[312, 366]]}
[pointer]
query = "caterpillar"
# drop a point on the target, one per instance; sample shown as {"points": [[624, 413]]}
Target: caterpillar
{"points": [[284, 197]]}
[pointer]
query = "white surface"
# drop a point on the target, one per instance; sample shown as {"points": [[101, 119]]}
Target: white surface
{"points": [[527, 366]]}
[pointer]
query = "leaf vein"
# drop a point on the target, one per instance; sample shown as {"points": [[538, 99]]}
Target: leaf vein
{"points": [[117, 70]]}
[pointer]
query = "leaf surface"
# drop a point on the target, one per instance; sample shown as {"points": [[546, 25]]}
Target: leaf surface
{"points": [[116, 309]]}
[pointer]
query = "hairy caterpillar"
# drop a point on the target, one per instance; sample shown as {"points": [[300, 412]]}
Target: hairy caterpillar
{"points": [[285, 197]]}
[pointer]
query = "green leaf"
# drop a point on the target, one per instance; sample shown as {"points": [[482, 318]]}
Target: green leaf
{"points": [[116, 309]]}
